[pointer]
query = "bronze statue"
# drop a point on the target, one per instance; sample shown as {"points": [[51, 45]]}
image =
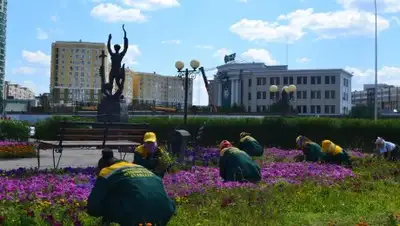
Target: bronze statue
{"points": [[116, 73]]}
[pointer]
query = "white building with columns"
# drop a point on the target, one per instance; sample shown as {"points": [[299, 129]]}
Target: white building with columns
{"points": [[319, 91]]}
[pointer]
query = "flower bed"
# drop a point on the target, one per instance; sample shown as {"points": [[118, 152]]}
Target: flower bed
{"points": [[48, 197], [10, 149]]}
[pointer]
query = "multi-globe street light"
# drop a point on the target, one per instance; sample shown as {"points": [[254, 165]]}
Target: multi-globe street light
{"points": [[187, 75], [287, 93]]}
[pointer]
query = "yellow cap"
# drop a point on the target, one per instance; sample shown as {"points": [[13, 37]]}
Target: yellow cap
{"points": [[326, 144], [150, 137]]}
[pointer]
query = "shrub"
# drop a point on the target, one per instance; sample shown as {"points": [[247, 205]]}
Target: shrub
{"points": [[278, 132], [14, 130], [16, 150]]}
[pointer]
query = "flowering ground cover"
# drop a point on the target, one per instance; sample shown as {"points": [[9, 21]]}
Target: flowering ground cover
{"points": [[291, 193], [11, 149]]}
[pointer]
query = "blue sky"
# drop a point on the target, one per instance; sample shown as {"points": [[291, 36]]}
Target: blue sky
{"points": [[321, 34]]}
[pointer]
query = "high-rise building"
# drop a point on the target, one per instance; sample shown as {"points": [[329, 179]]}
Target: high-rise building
{"points": [[319, 91], [74, 75], [17, 92], [3, 34], [152, 88]]}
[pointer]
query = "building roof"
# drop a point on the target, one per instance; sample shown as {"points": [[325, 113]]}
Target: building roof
{"points": [[275, 69]]}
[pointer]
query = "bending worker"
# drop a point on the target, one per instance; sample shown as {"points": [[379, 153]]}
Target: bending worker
{"points": [[311, 150], [389, 150], [251, 146], [334, 153], [128, 194], [152, 157], [237, 165]]}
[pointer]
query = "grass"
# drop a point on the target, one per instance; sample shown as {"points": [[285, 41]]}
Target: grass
{"points": [[372, 198]]}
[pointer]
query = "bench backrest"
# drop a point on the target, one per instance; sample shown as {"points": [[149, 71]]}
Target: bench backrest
{"points": [[107, 131]]}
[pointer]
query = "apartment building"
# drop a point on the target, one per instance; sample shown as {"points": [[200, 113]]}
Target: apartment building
{"points": [[3, 35], [152, 88], [388, 96], [17, 92], [319, 91], [74, 75]]}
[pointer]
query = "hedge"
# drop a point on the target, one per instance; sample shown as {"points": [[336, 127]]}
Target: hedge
{"points": [[278, 132], [14, 130]]}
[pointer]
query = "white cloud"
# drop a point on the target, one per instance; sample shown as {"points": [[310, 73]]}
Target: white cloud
{"points": [[37, 57], [259, 55], [147, 5], [24, 70], [172, 42], [386, 6], [386, 74], [298, 23], [204, 46], [132, 55], [114, 13], [54, 18], [220, 53], [41, 35], [303, 60]]}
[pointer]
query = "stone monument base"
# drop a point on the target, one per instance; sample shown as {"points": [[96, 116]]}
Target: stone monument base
{"points": [[110, 110]]}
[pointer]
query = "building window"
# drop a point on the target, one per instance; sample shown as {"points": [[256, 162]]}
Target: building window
{"points": [[319, 80], [333, 79], [288, 80], [333, 107], [304, 94], [326, 109], [298, 109], [345, 82], [299, 80], [249, 96], [318, 109], [312, 80], [305, 80], [249, 82], [258, 95], [248, 108], [312, 109], [298, 94], [327, 80], [333, 94], [327, 93], [304, 109], [264, 94]]}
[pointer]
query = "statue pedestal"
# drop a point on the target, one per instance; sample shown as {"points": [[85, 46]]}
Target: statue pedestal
{"points": [[111, 110]]}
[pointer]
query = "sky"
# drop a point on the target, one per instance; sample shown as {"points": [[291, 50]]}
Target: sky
{"points": [[305, 34]]}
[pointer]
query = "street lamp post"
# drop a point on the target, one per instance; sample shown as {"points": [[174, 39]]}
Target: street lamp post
{"points": [[187, 74], [286, 95], [376, 63]]}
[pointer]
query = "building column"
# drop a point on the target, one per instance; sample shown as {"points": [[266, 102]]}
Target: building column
{"points": [[238, 92], [232, 92], [219, 90]]}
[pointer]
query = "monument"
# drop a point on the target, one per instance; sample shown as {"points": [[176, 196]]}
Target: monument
{"points": [[112, 107]]}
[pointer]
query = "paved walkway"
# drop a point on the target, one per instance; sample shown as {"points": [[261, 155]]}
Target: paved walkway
{"points": [[71, 157]]}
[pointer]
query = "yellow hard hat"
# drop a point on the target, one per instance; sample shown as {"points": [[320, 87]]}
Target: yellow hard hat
{"points": [[149, 137]]}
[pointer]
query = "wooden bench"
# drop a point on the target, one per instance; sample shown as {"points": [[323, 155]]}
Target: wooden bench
{"points": [[118, 136]]}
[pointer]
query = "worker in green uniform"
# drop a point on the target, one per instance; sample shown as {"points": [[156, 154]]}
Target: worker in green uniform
{"points": [[151, 156], [311, 150], [237, 165], [251, 146], [128, 194], [335, 154]]}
